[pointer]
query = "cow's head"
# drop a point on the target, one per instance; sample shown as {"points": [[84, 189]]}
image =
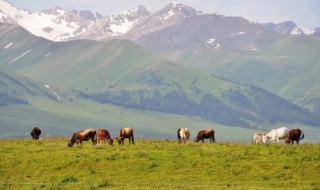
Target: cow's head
{"points": [[264, 138], [118, 139], [110, 142], [69, 144], [287, 140]]}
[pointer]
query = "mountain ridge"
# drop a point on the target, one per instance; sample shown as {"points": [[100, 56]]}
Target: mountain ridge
{"points": [[69, 25]]}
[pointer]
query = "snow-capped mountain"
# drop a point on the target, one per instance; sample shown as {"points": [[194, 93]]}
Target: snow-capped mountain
{"points": [[172, 14], [287, 27], [115, 25], [60, 25], [54, 24]]}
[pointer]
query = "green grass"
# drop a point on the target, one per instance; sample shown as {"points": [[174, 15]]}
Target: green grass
{"points": [[154, 164]]}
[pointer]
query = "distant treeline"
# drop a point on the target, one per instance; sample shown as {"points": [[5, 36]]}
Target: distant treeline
{"points": [[12, 98], [8, 96], [238, 111]]}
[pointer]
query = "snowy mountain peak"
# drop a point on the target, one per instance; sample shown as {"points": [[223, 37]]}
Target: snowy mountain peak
{"points": [[287, 27], [54, 24], [116, 24], [87, 15], [61, 25], [55, 10], [5, 4], [134, 13], [136, 10], [179, 8]]}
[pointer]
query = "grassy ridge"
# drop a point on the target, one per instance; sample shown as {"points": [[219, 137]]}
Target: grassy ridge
{"points": [[151, 164]]}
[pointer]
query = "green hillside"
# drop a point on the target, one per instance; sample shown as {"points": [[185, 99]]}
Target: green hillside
{"points": [[26, 103], [282, 64], [84, 80]]}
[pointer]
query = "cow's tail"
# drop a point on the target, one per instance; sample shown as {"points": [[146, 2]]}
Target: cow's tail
{"points": [[178, 134], [302, 135], [95, 140]]}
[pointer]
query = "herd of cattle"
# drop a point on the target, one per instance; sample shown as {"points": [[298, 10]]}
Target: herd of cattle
{"points": [[183, 135], [281, 133]]}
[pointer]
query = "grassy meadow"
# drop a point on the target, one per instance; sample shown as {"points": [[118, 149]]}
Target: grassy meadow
{"points": [[157, 164]]}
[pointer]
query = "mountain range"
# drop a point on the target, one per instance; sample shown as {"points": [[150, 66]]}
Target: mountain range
{"points": [[61, 25], [177, 61]]}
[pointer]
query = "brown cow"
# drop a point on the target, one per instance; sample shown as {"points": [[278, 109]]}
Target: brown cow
{"points": [[294, 135], [183, 134], [104, 135], [35, 133], [126, 132], [83, 135], [205, 134]]}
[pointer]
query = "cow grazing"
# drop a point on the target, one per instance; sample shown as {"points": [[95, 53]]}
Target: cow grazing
{"points": [[83, 135], [183, 134], [35, 133], [294, 135], [257, 137], [205, 134], [275, 134], [126, 132], [104, 135]]}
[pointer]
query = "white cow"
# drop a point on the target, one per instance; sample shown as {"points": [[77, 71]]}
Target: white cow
{"points": [[257, 137], [183, 134], [275, 134]]}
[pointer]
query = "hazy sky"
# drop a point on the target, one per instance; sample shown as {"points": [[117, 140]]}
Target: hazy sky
{"points": [[305, 13]]}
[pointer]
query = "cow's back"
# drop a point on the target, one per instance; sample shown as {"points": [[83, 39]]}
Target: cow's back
{"points": [[282, 132], [103, 134], [125, 132]]}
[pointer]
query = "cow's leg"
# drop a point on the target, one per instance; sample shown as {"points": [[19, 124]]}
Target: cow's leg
{"points": [[132, 139], [92, 140]]}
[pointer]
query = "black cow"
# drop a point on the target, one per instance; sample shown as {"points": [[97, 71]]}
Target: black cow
{"points": [[35, 133], [294, 135]]}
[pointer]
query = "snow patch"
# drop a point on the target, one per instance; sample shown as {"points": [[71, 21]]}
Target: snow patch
{"points": [[239, 33], [169, 15], [122, 28], [53, 92], [253, 48], [46, 55], [308, 31], [7, 46], [295, 31], [19, 57], [210, 43]]}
